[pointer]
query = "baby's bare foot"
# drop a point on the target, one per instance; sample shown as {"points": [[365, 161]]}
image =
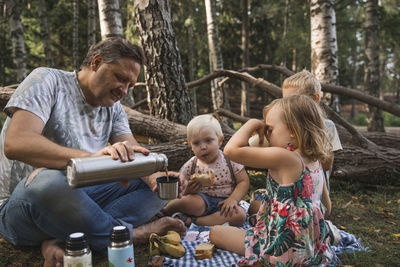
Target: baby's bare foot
{"points": [[52, 253], [160, 226]]}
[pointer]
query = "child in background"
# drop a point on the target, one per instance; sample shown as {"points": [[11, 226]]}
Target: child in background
{"points": [[290, 228], [218, 203], [304, 83]]}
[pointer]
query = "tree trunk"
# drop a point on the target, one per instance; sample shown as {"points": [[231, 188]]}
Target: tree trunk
{"points": [[324, 49], [191, 56], [285, 31], [244, 105], [3, 47], [92, 22], [110, 19], [45, 34], [75, 34], [166, 85], [371, 75], [218, 93], [17, 38]]}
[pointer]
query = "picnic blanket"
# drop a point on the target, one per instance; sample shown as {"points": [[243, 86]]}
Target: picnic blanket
{"points": [[200, 234]]}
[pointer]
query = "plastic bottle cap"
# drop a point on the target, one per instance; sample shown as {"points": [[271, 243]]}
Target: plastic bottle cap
{"points": [[120, 234], [76, 241]]}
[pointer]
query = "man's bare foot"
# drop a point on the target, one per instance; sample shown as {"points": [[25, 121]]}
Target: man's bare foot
{"points": [[53, 253], [160, 226]]}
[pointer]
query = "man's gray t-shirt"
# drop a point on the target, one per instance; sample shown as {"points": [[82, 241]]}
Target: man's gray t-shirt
{"points": [[57, 99]]}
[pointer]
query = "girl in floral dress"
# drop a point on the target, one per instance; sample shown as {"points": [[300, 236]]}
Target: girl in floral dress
{"points": [[290, 228]]}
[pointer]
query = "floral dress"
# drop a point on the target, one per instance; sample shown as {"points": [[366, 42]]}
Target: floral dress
{"points": [[290, 229]]}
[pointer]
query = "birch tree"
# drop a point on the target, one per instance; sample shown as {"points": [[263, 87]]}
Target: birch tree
{"points": [[110, 19], [92, 22], [168, 95], [2, 41], [244, 107], [218, 94], [17, 38], [371, 72], [45, 33], [324, 47], [75, 34]]}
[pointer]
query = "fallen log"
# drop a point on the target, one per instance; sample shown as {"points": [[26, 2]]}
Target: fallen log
{"points": [[380, 165]]}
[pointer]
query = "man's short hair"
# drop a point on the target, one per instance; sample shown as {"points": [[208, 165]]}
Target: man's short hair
{"points": [[113, 49], [304, 82]]}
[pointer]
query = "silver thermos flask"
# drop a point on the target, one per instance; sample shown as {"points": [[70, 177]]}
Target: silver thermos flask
{"points": [[103, 169]]}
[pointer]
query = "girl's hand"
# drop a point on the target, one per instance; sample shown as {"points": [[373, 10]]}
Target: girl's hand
{"points": [[192, 187], [229, 206]]}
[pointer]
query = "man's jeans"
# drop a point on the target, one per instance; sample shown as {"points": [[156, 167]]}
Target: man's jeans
{"points": [[48, 208]]}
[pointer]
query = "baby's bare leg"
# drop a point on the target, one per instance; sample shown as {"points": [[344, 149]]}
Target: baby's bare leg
{"points": [[190, 204], [237, 218], [228, 238]]}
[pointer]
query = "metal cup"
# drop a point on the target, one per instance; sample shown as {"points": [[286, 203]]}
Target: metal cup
{"points": [[168, 189]]}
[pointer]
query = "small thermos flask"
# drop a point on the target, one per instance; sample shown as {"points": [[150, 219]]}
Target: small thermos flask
{"points": [[103, 169], [77, 252], [120, 249]]}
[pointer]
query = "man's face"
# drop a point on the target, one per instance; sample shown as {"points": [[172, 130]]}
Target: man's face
{"points": [[108, 83]]}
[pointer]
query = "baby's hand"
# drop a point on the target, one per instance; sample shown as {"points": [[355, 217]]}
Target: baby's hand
{"points": [[229, 206], [192, 187]]}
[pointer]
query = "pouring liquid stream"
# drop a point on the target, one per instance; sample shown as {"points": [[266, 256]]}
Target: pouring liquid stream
{"points": [[166, 173]]}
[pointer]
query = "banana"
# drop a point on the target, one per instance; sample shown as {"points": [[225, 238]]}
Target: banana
{"points": [[167, 244], [171, 237], [154, 241], [176, 251]]}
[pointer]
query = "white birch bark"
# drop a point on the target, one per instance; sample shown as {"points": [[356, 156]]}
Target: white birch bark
{"points": [[218, 94], [110, 19], [17, 39], [324, 44]]}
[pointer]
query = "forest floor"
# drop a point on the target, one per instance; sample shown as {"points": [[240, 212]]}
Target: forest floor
{"points": [[370, 213]]}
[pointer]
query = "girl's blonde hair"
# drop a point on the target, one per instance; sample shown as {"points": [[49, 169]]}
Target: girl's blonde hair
{"points": [[304, 82], [201, 121], [305, 120]]}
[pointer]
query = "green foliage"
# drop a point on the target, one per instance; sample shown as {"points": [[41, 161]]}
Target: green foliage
{"points": [[3, 118], [390, 120], [360, 119]]}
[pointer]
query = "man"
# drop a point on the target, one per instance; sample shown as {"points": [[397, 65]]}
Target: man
{"points": [[54, 116]]}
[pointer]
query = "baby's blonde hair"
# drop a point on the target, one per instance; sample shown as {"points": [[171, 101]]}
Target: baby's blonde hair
{"points": [[305, 120], [201, 121], [304, 82]]}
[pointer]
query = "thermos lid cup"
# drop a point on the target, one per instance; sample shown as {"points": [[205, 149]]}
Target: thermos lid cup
{"points": [[168, 189]]}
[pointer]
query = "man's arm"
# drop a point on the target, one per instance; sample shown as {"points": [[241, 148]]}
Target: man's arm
{"points": [[24, 142]]}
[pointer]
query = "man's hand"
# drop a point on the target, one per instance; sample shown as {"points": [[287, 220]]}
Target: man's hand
{"points": [[124, 151], [152, 183], [229, 205]]}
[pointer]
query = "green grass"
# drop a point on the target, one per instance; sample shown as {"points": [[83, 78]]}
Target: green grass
{"points": [[372, 214]]}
